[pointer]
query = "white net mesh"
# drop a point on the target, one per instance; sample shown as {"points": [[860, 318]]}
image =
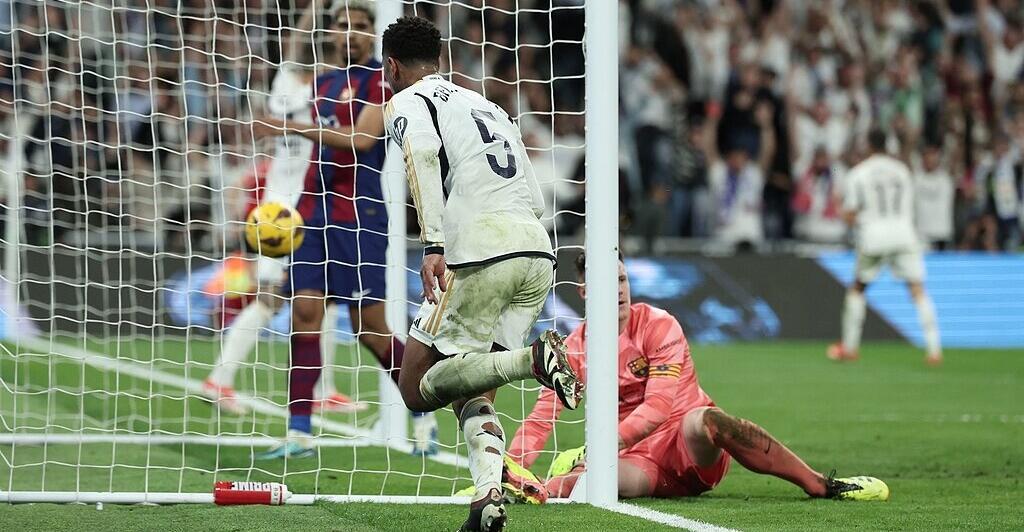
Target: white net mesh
{"points": [[130, 162]]}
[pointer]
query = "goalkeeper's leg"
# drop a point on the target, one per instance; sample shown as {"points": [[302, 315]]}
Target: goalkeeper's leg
{"points": [[633, 481], [708, 431]]}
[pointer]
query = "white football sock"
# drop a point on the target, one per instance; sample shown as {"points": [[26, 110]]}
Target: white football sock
{"points": [[239, 341], [854, 309], [485, 442], [926, 315], [325, 388], [471, 374]]}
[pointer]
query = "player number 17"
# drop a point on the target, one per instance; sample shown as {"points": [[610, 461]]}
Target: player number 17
{"points": [[509, 170]]}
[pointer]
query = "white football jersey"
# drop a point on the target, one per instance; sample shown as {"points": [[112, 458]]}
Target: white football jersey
{"points": [[881, 192], [469, 174], [291, 100]]}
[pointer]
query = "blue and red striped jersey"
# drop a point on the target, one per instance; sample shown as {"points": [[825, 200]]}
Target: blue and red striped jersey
{"points": [[343, 186]]}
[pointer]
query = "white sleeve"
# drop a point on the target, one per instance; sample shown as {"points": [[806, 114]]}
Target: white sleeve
{"points": [[410, 123], [536, 196]]}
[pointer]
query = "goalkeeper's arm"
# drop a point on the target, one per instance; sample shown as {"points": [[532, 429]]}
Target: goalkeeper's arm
{"points": [[533, 434]]}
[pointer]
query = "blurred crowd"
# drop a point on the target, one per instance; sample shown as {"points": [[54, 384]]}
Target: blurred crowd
{"points": [[738, 118], [745, 115]]}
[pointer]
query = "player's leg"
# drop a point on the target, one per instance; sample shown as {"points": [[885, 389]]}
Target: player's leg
{"points": [[241, 338], [368, 317], [709, 430], [359, 278], [485, 445], [634, 481], [326, 387], [460, 329], [370, 322], [327, 396], [929, 323], [910, 267], [855, 308], [307, 282]]}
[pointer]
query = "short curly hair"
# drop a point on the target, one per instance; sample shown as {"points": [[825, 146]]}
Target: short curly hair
{"points": [[412, 40]]}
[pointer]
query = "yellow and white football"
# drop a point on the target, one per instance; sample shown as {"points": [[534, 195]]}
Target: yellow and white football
{"points": [[274, 229]]}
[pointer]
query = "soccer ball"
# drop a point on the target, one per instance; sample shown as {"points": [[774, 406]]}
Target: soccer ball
{"points": [[273, 229]]}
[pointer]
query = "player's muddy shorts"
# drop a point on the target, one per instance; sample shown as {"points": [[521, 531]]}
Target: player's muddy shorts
{"points": [[670, 468], [493, 304], [906, 265]]}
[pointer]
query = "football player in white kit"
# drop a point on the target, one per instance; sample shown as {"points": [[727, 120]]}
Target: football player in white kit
{"points": [[879, 203], [487, 265], [290, 100]]}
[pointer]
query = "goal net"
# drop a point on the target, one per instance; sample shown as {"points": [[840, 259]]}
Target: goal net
{"points": [[130, 160]]}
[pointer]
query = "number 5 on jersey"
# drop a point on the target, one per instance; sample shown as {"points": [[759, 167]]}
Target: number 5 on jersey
{"points": [[509, 170]]}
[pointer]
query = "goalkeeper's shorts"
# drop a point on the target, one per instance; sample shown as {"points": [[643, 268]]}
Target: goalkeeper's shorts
{"points": [[493, 304], [663, 456]]}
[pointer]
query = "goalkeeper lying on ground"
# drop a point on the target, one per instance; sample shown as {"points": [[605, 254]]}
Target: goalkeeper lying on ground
{"points": [[673, 441]]}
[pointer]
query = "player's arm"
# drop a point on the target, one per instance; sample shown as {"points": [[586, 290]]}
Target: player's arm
{"points": [[666, 349], [301, 34], [369, 129], [410, 124], [536, 195], [532, 435]]}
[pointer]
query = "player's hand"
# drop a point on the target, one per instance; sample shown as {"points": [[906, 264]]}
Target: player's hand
{"points": [[265, 126], [622, 444], [432, 273]]}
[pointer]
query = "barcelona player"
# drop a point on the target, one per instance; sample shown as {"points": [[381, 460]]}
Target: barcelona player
{"points": [[342, 256], [673, 440]]}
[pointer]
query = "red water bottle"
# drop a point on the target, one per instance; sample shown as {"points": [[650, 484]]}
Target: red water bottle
{"points": [[228, 492]]}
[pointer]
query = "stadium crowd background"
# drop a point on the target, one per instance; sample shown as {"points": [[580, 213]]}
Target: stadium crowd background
{"points": [[737, 118]]}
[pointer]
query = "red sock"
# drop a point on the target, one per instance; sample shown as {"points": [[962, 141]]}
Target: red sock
{"points": [[305, 371], [759, 452]]}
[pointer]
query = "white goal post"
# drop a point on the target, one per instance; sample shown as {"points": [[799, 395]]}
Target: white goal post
{"points": [[122, 258]]}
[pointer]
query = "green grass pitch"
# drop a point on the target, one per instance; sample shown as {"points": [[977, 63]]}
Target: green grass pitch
{"points": [[949, 441]]}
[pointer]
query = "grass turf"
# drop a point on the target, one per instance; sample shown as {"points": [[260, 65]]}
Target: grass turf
{"points": [[947, 440]]}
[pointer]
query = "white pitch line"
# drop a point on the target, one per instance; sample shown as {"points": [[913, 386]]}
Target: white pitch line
{"points": [[226, 440], [195, 386], [663, 518]]}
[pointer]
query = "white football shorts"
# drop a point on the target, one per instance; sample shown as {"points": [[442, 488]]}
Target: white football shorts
{"points": [[493, 304], [905, 265]]}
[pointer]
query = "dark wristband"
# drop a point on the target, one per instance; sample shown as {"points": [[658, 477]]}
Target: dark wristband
{"points": [[433, 250]]}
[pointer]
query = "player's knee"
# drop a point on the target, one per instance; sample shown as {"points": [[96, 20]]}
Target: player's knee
{"points": [[307, 313], [410, 390], [719, 425]]}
